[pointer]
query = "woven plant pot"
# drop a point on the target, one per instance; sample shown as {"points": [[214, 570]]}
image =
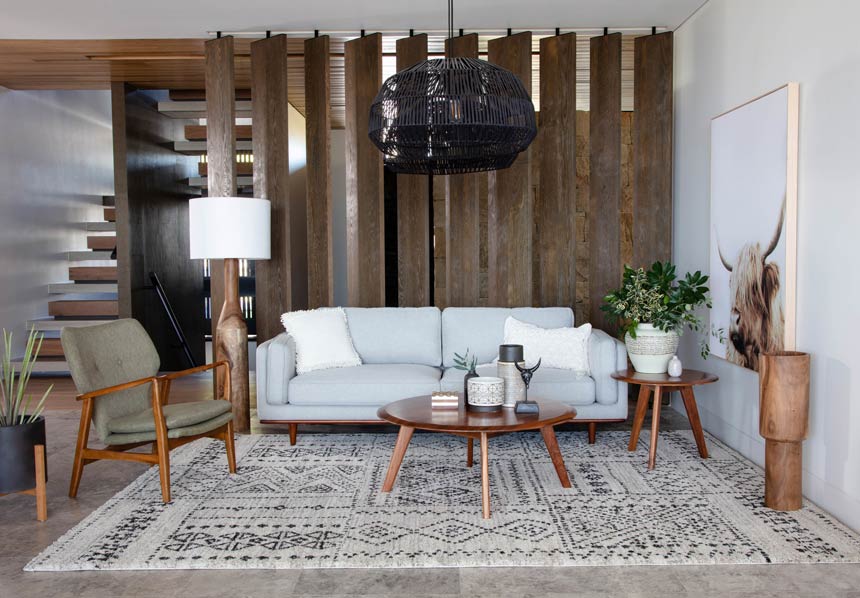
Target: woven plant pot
{"points": [[652, 349]]}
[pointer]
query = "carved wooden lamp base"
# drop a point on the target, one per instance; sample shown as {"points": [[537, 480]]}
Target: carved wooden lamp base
{"points": [[231, 344]]}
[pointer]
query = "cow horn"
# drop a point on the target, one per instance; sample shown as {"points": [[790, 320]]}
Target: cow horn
{"points": [[776, 235], [723, 259]]}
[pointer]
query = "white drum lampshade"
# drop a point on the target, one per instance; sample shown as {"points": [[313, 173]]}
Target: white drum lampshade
{"points": [[230, 228]]}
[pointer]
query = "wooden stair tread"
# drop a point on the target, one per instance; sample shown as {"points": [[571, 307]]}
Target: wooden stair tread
{"points": [[110, 214], [51, 347], [65, 288], [242, 168], [78, 273], [45, 365], [108, 200], [101, 242], [200, 181], [185, 95], [52, 324], [83, 307], [197, 109], [198, 148], [198, 132]]}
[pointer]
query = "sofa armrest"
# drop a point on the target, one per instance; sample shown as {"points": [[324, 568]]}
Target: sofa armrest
{"points": [[607, 355], [276, 366]]}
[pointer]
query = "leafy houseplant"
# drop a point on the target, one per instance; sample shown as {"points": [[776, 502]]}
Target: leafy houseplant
{"points": [[467, 364], [652, 307], [21, 423]]}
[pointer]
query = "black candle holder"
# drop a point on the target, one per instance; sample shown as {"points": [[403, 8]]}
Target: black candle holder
{"points": [[525, 406]]}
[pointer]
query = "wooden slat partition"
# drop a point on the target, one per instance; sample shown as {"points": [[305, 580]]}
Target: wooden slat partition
{"points": [[220, 144], [510, 203], [462, 214], [318, 172], [555, 206], [652, 149], [365, 239], [413, 208], [126, 221], [270, 134], [604, 214]]}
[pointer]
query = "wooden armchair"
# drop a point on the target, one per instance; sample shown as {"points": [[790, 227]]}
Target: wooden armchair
{"points": [[114, 366]]}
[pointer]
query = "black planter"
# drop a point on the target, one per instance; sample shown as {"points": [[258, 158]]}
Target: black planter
{"points": [[469, 375], [17, 457]]}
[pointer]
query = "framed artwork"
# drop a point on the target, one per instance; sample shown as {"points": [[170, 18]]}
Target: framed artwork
{"points": [[753, 244]]}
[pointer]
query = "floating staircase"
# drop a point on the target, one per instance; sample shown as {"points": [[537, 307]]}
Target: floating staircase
{"points": [[89, 296]]}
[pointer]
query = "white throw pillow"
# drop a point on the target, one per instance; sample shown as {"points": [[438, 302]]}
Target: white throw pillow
{"points": [[562, 348], [322, 339]]}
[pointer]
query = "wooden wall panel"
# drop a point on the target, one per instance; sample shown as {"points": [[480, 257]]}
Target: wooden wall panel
{"points": [[365, 240], [605, 172], [270, 113], [220, 144], [555, 205], [319, 189], [152, 223], [510, 202], [413, 208], [462, 214], [652, 149]]}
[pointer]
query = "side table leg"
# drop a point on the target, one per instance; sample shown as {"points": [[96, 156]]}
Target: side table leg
{"points": [[655, 426], [403, 438], [470, 452], [639, 417], [555, 454], [485, 475], [695, 422]]}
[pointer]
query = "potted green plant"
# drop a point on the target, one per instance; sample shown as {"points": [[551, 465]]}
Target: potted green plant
{"points": [[22, 426], [652, 308], [468, 364]]}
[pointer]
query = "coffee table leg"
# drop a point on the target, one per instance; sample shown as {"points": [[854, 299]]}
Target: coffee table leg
{"points": [[403, 438], [639, 417], [655, 426], [485, 475], [695, 422], [470, 452], [555, 454]]}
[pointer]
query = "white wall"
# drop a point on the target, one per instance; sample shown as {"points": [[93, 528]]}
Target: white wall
{"points": [[56, 162], [730, 52]]}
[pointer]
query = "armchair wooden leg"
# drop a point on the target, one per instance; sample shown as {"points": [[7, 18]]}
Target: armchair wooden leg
{"points": [[294, 431], [230, 446], [83, 438], [163, 462], [592, 433]]}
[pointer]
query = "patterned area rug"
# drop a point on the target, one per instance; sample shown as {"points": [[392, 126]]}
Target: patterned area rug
{"points": [[318, 505]]}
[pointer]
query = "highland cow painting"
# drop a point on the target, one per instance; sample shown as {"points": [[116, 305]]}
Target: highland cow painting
{"points": [[753, 227]]}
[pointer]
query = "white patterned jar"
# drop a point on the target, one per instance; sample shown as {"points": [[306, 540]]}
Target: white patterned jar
{"points": [[652, 349], [486, 393]]}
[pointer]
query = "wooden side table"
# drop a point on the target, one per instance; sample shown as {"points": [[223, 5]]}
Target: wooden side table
{"points": [[655, 384]]}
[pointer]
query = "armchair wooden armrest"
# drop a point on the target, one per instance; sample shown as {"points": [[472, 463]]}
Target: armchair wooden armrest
{"points": [[116, 388], [223, 386]]}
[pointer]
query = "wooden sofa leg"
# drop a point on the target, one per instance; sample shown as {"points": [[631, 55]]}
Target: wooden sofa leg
{"points": [[294, 431], [592, 432]]}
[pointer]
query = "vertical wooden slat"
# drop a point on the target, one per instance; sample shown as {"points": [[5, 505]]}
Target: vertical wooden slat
{"points": [[318, 171], [124, 226], [462, 214], [652, 149], [365, 233], [510, 203], [270, 112], [555, 208], [220, 145], [413, 209], [604, 214]]}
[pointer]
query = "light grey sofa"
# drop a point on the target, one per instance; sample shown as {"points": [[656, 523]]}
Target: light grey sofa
{"points": [[410, 351]]}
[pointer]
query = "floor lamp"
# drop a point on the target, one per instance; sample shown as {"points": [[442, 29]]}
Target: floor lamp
{"points": [[230, 229]]}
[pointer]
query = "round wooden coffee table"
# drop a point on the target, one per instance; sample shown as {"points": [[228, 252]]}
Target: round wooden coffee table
{"points": [[656, 383], [416, 413]]}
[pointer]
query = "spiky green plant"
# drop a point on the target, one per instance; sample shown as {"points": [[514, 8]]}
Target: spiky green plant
{"points": [[465, 362], [14, 401]]}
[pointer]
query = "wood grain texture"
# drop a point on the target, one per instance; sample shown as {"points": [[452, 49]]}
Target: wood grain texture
{"points": [[318, 169], [604, 213], [198, 132], [365, 238], [220, 143], [783, 475], [509, 204], [555, 204], [92, 307], [231, 345], [652, 149], [152, 224], [462, 214], [270, 110], [413, 208]]}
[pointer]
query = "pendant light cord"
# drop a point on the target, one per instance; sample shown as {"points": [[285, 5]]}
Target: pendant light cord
{"points": [[450, 18]]}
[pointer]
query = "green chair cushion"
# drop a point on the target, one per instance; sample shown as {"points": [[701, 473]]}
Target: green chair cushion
{"points": [[195, 430], [180, 415]]}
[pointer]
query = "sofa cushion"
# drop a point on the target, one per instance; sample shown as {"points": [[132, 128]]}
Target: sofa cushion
{"points": [[548, 383], [396, 334], [482, 329], [322, 339], [366, 384], [564, 348]]}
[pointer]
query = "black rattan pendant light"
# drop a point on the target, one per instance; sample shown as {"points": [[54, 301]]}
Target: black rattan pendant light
{"points": [[452, 115]]}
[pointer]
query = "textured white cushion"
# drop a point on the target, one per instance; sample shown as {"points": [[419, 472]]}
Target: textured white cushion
{"points": [[561, 348], [322, 339]]}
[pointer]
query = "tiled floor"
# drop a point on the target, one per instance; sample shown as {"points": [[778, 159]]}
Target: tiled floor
{"points": [[21, 537]]}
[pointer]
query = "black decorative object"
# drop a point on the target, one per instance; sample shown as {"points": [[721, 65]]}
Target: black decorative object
{"points": [[17, 459], [526, 406], [468, 364]]}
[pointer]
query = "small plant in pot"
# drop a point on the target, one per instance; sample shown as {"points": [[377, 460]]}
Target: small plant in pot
{"points": [[22, 426], [468, 364], [652, 308]]}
